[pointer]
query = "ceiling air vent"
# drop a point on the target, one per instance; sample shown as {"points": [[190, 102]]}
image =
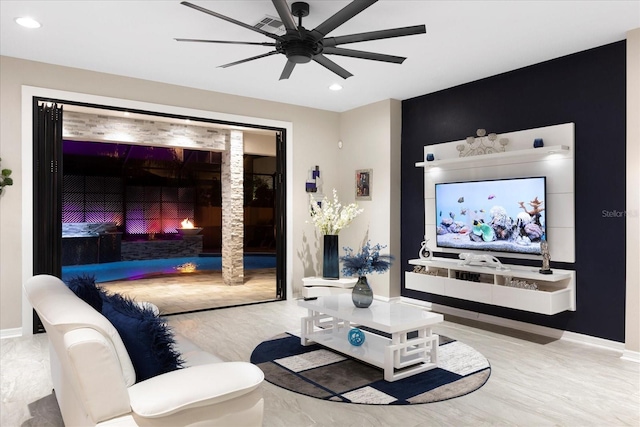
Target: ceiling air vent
{"points": [[271, 25]]}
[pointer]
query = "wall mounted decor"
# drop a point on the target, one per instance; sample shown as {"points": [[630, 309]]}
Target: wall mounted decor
{"points": [[311, 186], [364, 180], [482, 144]]}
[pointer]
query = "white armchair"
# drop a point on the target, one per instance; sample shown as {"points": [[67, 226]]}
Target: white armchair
{"points": [[94, 379]]}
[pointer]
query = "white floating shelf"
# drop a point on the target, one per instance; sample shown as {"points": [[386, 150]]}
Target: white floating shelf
{"points": [[555, 294], [496, 158]]}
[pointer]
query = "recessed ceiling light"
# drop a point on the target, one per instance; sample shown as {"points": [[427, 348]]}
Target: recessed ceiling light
{"points": [[335, 86], [28, 22]]}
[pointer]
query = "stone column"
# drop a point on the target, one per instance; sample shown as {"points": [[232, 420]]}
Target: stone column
{"points": [[233, 210]]}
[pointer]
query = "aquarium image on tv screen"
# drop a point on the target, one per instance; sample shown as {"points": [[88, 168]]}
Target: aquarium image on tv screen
{"points": [[504, 215]]}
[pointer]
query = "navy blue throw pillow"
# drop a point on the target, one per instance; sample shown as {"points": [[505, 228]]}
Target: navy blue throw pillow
{"points": [[148, 339], [85, 288]]}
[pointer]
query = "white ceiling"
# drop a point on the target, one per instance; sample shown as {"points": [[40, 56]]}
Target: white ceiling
{"points": [[465, 41]]}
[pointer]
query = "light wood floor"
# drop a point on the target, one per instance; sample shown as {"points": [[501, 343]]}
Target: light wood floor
{"points": [[535, 381], [182, 293]]}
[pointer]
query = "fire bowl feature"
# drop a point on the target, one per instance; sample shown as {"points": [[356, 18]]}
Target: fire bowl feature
{"points": [[189, 231]]}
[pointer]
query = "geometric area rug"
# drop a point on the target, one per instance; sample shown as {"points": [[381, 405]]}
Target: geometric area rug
{"points": [[320, 372]]}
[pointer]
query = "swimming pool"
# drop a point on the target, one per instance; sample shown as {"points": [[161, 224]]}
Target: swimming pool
{"points": [[132, 270]]}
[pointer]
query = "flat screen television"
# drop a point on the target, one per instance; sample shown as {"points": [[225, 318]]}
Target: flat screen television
{"points": [[502, 215]]}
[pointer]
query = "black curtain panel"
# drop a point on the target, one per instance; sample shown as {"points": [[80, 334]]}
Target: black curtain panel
{"points": [[280, 214], [47, 191]]}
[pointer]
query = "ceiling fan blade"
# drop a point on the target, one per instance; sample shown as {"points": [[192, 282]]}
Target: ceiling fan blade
{"points": [[363, 55], [285, 15], [374, 35], [233, 21], [332, 66], [342, 16], [226, 42], [264, 55], [288, 68]]}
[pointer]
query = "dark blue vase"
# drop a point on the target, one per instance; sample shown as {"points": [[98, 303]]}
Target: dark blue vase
{"points": [[538, 143], [362, 295], [330, 259]]}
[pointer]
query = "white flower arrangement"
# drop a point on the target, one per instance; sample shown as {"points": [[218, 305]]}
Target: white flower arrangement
{"points": [[330, 217]]}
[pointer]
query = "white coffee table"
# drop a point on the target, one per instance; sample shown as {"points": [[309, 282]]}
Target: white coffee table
{"points": [[313, 287], [330, 318]]}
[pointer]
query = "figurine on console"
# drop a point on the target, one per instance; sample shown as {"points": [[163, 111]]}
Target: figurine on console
{"points": [[546, 257], [425, 252], [481, 260]]}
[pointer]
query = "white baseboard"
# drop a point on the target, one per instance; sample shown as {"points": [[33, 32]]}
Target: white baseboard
{"points": [[631, 356], [10, 333], [529, 327]]}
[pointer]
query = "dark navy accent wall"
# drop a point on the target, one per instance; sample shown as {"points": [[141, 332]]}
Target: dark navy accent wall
{"points": [[586, 88]]}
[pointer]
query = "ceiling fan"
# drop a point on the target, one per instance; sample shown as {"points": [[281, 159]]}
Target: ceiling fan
{"points": [[301, 45]]}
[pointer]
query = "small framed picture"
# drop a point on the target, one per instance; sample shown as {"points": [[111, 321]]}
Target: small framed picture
{"points": [[364, 178]]}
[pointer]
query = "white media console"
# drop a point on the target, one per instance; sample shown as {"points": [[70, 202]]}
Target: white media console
{"points": [[447, 277]]}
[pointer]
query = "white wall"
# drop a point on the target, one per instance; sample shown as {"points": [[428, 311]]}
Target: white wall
{"points": [[371, 140], [262, 145], [632, 314]]}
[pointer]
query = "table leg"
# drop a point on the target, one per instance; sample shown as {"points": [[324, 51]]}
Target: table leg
{"points": [[413, 355]]}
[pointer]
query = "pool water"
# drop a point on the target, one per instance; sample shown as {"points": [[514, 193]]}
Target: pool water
{"points": [[122, 270]]}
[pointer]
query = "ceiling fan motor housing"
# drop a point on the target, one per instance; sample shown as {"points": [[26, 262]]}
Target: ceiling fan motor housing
{"points": [[298, 46], [300, 50]]}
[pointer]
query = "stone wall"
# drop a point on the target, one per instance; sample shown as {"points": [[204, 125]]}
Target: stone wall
{"points": [[154, 249], [96, 127], [233, 211]]}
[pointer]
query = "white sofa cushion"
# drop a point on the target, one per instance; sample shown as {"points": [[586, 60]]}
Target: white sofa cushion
{"points": [[193, 387], [192, 354]]}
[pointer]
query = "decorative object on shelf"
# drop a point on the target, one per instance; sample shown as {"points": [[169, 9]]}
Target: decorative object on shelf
{"points": [[538, 143], [481, 260], [5, 179], [421, 269], [425, 252], [364, 181], [546, 257], [330, 259], [311, 186], [430, 157], [362, 294], [330, 217], [482, 144], [523, 284], [356, 337], [367, 261]]}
